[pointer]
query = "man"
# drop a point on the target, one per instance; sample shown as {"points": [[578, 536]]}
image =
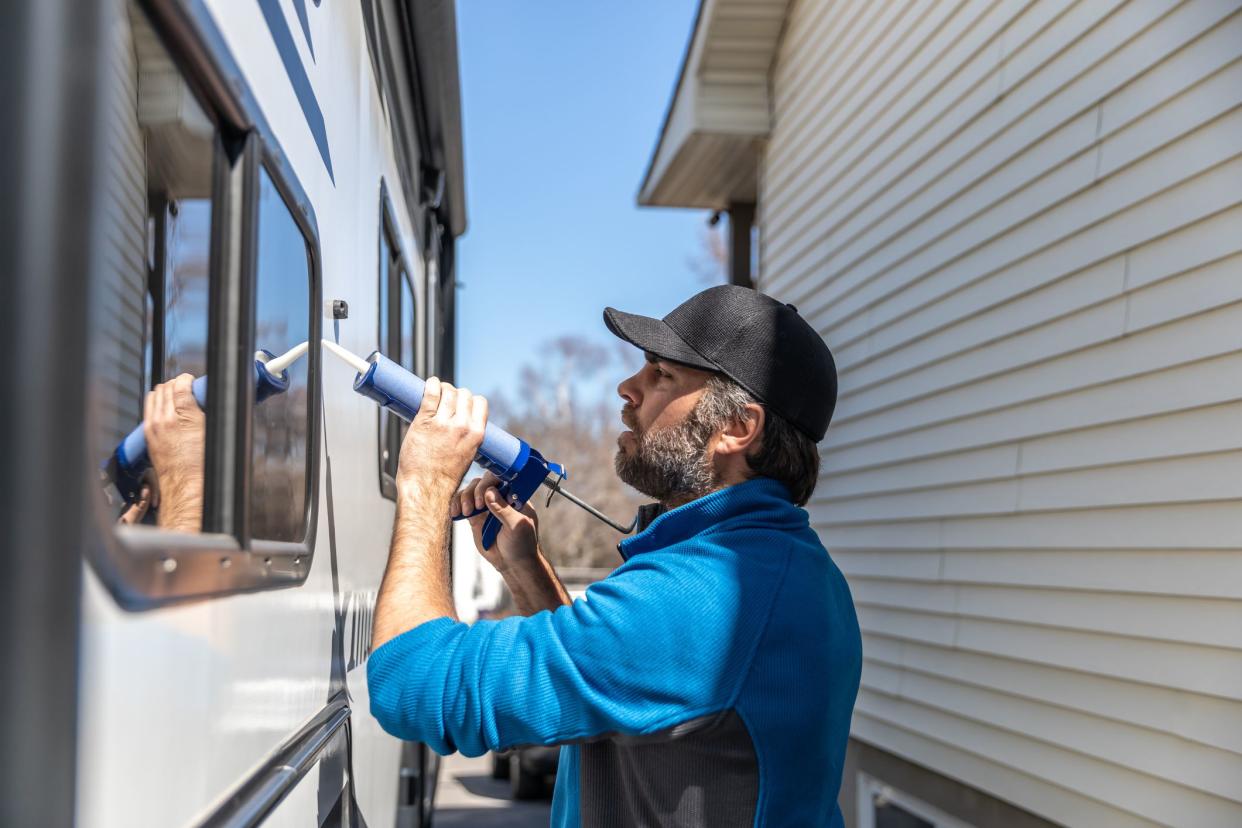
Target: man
{"points": [[709, 680]]}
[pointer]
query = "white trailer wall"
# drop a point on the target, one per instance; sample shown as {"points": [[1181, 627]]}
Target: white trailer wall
{"points": [[1019, 227]]}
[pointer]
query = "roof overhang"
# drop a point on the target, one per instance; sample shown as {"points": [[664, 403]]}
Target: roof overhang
{"points": [[433, 31], [720, 116]]}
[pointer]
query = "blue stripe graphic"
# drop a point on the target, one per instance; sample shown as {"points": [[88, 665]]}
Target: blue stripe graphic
{"points": [[283, 38]]}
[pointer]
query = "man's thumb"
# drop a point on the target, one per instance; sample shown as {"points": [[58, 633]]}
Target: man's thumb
{"points": [[505, 513]]}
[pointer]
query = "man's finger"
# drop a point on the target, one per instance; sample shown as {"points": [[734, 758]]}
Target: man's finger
{"points": [[183, 393], [462, 405], [508, 516], [478, 414], [462, 504], [448, 401], [137, 510], [481, 492], [432, 392], [487, 481], [148, 405], [163, 398]]}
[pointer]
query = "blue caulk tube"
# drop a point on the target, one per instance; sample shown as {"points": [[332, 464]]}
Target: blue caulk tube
{"points": [[520, 468], [129, 462]]}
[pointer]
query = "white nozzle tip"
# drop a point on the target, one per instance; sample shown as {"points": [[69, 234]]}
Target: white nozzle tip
{"points": [[349, 357], [277, 365]]}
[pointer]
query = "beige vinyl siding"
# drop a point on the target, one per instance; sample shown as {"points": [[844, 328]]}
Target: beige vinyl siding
{"points": [[116, 363], [1019, 226]]}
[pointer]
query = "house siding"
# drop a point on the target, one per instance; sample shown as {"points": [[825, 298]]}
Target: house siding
{"points": [[1019, 227]]}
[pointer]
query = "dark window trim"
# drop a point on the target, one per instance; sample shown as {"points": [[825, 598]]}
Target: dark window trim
{"points": [[157, 274], [144, 567]]}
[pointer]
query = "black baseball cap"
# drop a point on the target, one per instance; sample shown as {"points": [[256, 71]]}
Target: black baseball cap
{"points": [[760, 343]]}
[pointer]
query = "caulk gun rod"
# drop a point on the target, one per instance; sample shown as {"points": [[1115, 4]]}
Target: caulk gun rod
{"points": [[582, 504]]}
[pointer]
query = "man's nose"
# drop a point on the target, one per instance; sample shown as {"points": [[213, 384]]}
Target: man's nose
{"points": [[628, 390]]}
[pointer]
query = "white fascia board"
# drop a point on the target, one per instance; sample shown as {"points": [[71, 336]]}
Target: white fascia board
{"points": [[714, 98]]}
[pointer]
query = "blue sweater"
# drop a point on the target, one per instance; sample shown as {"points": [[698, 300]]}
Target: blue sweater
{"points": [[714, 672]]}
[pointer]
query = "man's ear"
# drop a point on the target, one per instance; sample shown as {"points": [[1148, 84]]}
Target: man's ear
{"points": [[742, 433]]}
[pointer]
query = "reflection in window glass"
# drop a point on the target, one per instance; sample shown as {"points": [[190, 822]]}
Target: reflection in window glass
{"points": [[407, 323], [187, 238], [281, 423], [397, 341], [406, 357], [149, 306], [388, 457]]}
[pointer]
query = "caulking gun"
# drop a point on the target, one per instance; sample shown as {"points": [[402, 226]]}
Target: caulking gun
{"points": [[520, 468], [129, 462]]}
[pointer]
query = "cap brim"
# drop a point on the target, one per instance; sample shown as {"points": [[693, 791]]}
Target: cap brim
{"points": [[656, 337]]}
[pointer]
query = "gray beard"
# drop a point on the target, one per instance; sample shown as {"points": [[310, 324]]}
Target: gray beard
{"points": [[670, 464]]}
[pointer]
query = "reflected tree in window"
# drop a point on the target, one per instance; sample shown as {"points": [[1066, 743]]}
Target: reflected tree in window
{"points": [[281, 423]]}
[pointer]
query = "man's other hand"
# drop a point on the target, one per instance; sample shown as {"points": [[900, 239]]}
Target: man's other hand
{"points": [[176, 430], [517, 544], [441, 442]]}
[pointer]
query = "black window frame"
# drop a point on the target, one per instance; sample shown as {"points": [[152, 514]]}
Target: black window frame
{"points": [[146, 567], [390, 439]]}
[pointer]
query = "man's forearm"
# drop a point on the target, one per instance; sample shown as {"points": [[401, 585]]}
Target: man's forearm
{"points": [[181, 505], [535, 585], [417, 585]]}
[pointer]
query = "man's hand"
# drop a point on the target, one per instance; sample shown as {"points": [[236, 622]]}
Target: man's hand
{"points": [[176, 429], [136, 511], [441, 442], [517, 544], [516, 553]]}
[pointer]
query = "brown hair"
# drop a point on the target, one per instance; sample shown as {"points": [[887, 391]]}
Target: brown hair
{"points": [[784, 453]]}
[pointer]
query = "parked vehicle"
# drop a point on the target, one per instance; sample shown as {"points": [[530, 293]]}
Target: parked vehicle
{"points": [[250, 176], [531, 771]]}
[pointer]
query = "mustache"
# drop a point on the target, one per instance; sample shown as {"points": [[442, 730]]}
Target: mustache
{"points": [[627, 417]]}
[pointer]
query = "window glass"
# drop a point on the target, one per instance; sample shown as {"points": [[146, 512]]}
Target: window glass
{"points": [[149, 309], [407, 323], [403, 353], [187, 239], [281, 421], [397, 341], [385, 259], [387, 456]]}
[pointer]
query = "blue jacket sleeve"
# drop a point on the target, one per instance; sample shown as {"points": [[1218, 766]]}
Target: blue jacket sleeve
{"points": [[659, 642]]}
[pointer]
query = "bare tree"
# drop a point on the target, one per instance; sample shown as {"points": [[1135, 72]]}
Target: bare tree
{"points": [[711, 262], [566, 410]]}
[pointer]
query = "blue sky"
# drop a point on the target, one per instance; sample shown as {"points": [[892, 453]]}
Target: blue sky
{"points": [[562, 105]]}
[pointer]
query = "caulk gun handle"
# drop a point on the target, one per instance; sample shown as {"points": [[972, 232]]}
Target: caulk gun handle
{"points": [[491, 526]]}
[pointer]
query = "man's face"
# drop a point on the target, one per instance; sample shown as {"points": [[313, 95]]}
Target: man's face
{"points": [[664, 454]]}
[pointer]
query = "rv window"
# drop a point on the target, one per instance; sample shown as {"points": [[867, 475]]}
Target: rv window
{"points": [[208, 255], [398, 326], [281, 421]]}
